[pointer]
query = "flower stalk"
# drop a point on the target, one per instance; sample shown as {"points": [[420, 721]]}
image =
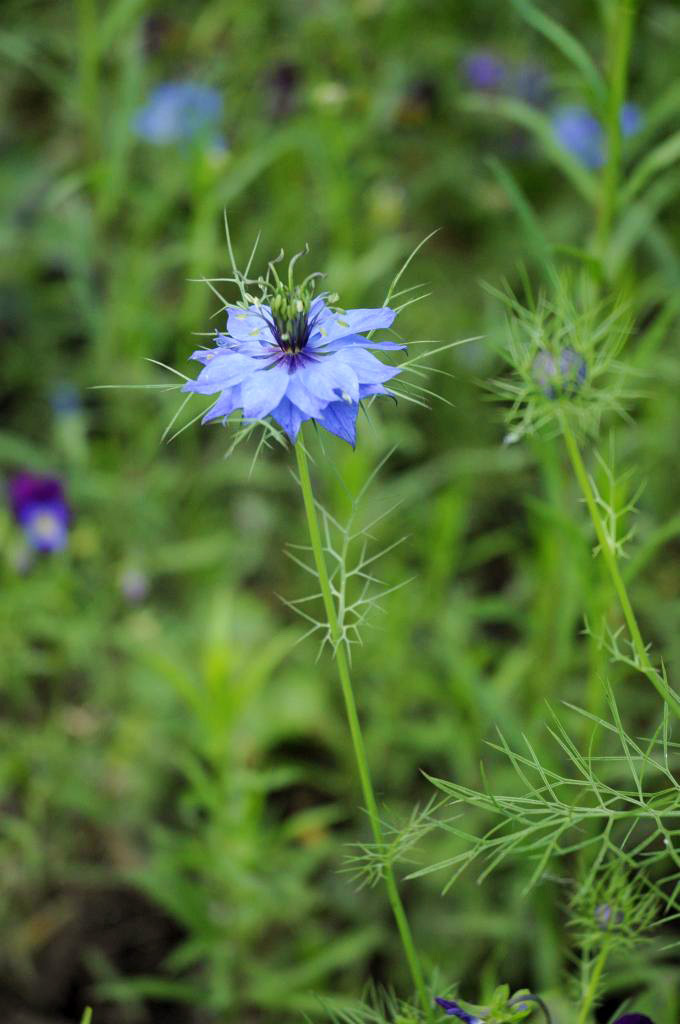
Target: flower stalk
{"points": [[621, 30], [592, 990], [355, 728], [609, 555]]}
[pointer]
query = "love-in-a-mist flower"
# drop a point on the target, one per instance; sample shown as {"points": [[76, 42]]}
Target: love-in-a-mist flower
{"points": [[452, 1009], [559, 374], [40, 508], [180, 112], [294, 357], [485, 71], [582, 134]]}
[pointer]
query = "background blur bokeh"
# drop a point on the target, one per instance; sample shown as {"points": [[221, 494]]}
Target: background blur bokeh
{"points": [[176, 783]]}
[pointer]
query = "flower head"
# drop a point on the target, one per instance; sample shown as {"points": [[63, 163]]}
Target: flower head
{"points": [[633, 1018], [40, 508], [484, 71], [452, 1009], [608, 917], [180, 112], [581, 133], [561, 374], [295, 357]]}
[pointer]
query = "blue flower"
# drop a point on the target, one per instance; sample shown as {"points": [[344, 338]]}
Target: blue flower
{"points": [[295, 359], [180, 112], [484, 71], [40, 508], [563, 375], [452, 1009], [581, 133], [633, 1018]]}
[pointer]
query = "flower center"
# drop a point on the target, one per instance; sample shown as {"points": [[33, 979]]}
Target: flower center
{"points": [[291, 323]]}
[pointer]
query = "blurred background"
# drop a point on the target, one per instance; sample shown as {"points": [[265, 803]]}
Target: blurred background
{"points": [[176, 783]]}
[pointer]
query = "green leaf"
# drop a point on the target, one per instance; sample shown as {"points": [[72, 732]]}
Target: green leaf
{"points": [[533, 232], [662, 156], [567, 44]]}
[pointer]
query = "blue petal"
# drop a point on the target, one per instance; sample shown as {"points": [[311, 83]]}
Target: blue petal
{"points": [[222, 372], [263, 390], [225, 405], [366, 390], [452, 1009], [368, 369], [318, 342], [354, 321], [305, 400], [249, 325], [340, 418], [329, 377], [289, 417], [203, 355]]}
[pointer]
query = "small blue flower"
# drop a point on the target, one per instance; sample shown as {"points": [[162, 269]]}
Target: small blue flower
{"points": [[563, 375], [40, 508], [608, 917], [452, 1009], [180, 112], [633, 1018], [484, 71], [580, 133], [296, 359]]}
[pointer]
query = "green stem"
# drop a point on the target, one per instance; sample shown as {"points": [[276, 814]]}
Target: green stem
{"points": [[88, 74], [609, 555], [621, 30], [355, 727], [593, 985]]}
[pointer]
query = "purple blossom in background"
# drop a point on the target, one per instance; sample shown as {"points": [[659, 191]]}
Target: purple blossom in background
{"points": [[40, 508], [452, 1009], [484, 71], [581, 133], [298, 361], [180, 112], [134, 585]]}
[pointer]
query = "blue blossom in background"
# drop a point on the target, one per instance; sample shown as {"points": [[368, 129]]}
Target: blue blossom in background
{"points": [[581, 133], [40, 508], [296, 359], [180, 112], [452, 1009], [484, 71]]}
